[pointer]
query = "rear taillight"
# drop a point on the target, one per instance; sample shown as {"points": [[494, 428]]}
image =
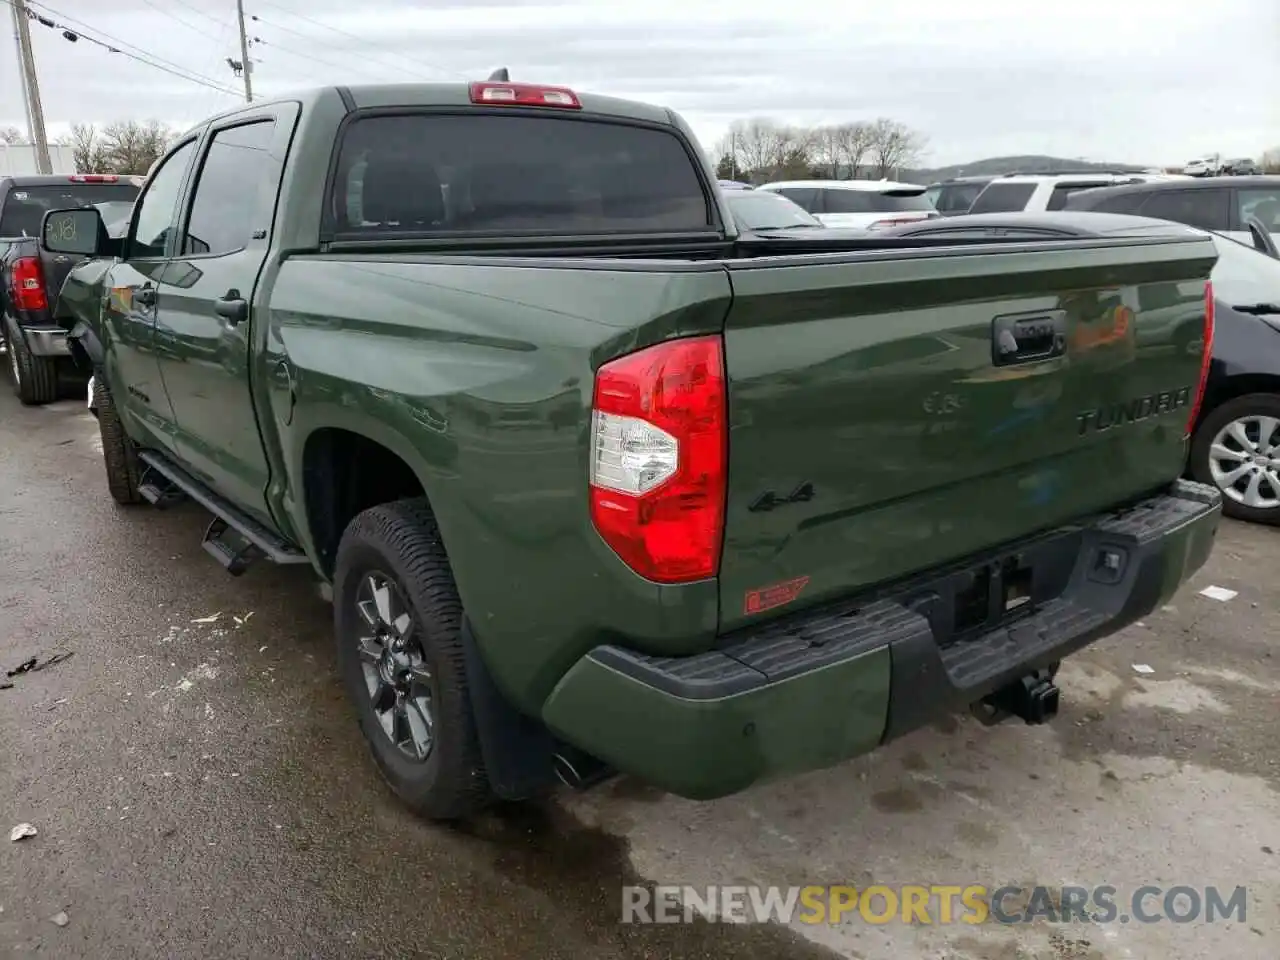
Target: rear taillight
{"points": [[1206, 358], [94, 178], [658, 449], [26, 288]]}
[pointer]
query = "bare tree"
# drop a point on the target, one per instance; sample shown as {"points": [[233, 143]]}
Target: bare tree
{"points": [[827, 152], [1271, 160], [855, 141], [759, 144], [12, 136], [130, 147], [894, 145], [86, 148]]}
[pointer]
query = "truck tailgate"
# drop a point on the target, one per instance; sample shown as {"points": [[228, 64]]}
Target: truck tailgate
{"points": [[890, 412]]}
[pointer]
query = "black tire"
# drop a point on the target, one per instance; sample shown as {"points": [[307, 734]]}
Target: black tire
{"points": [[1250, 405], [119, 455], [401, 541], [35, 379]]}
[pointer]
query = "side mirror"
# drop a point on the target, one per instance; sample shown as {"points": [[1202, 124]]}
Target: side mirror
{"points": [[1262, 239], [78, 231]]}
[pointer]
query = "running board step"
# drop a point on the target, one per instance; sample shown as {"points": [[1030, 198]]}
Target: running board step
{"points": [[234, 538], [159, 490], [231, 548]]}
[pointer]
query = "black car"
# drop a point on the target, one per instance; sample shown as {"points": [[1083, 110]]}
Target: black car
{"points": [[29, 280], [1236, 441], [1220, 204]]}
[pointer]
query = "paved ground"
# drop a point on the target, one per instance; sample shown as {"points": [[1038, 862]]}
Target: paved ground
{"points": [[200, 789]]}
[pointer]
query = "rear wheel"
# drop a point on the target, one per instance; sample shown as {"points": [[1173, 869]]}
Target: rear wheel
{"points": [[35, 379], [1237, 449], [398, 621], [119, 455]]}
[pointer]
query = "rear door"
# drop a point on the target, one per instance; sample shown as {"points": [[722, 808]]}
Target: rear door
{"points": [[873, 433], [204, 325]]}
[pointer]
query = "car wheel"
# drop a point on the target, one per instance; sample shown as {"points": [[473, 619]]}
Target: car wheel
{"points": [[398, 623], [35, 379], [1237, 449], [119, 454]]}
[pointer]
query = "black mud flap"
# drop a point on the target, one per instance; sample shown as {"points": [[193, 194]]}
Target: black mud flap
{"points": [[518, 750]]}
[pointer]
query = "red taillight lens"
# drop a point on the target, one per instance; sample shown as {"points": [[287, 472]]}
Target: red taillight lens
{"points": [[658, 450], [1206, 358], [93, 178], [27, 284], [524, 95]]}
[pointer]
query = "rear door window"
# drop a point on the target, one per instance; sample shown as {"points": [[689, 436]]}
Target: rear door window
{"points": [[432, 174], [228, 190], [805, 197], [1106, 202], [1260, 202], [958, 197], [1003, 198], [1208, 209]]}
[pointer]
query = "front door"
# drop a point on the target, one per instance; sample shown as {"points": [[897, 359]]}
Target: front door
{"points": [[132, 370], [204, 325]]}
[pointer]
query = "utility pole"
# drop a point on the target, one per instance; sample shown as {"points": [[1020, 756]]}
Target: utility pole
{"points": [[31, 85], [244, 54], [22, 74]]}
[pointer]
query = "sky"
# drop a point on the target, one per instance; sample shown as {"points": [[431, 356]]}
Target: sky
{"points": [[1133, 81]]}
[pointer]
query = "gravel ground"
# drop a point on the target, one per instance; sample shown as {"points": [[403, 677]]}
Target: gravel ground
{"points": [[200, 788]]}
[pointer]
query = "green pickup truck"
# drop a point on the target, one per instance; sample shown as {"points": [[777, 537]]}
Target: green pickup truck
{"points": [[600, 486]]}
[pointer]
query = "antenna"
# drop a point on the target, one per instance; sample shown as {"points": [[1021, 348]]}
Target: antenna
{"points": [[501, 75]]}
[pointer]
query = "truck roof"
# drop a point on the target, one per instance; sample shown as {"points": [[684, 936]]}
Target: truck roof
{"points": [[445, 94]]}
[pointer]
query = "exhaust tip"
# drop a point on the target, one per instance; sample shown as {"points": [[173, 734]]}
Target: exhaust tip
{"points": [[579, 770]]}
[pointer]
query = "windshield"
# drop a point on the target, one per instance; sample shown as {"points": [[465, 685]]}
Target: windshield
{"points": [[25, 207], [753, 210], [958, 197]]}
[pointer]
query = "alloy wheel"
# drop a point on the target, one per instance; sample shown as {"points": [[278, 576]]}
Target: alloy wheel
{"points": [[396, 674], [1244, 461]]}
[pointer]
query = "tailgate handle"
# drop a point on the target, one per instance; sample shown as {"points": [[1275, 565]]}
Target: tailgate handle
{"points": [[1028, 337]]}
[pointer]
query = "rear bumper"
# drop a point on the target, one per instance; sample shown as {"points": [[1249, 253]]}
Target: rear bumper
{"points": [[46, 341], [807, 692]]}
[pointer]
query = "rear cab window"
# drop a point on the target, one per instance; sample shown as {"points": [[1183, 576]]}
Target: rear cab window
{"points": [[433, 174], [1003, 198], [873, 201], [24, 207]]}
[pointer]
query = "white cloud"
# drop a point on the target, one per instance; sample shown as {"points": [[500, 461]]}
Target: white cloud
{"points": [[1124, 80]]}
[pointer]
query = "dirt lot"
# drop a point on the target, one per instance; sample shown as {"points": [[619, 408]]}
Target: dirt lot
{"points": [[200, 789]]}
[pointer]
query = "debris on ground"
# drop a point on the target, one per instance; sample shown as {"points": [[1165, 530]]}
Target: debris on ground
{"points": [[60, 918], [241, 621], [212, 618], [22, 831], [34, 664], [1143, 668], [1218, 593]]}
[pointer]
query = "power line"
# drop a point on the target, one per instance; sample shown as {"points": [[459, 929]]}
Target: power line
{"points": [[78, 32], [311, 39], [175, 18], [208, 16], [358, 39]]}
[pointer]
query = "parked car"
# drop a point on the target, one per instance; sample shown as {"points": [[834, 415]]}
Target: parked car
{"points": [[1240, 167], [1034, 192], [594, 486], [35, 345], [1202, 167], [861, 204], [1235, 441], [1217, 204], [955, 196], [735, 185]]}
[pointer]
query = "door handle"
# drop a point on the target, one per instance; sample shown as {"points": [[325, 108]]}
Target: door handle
{"points": [[1028, 337], [145, 296], [232, 307]]}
